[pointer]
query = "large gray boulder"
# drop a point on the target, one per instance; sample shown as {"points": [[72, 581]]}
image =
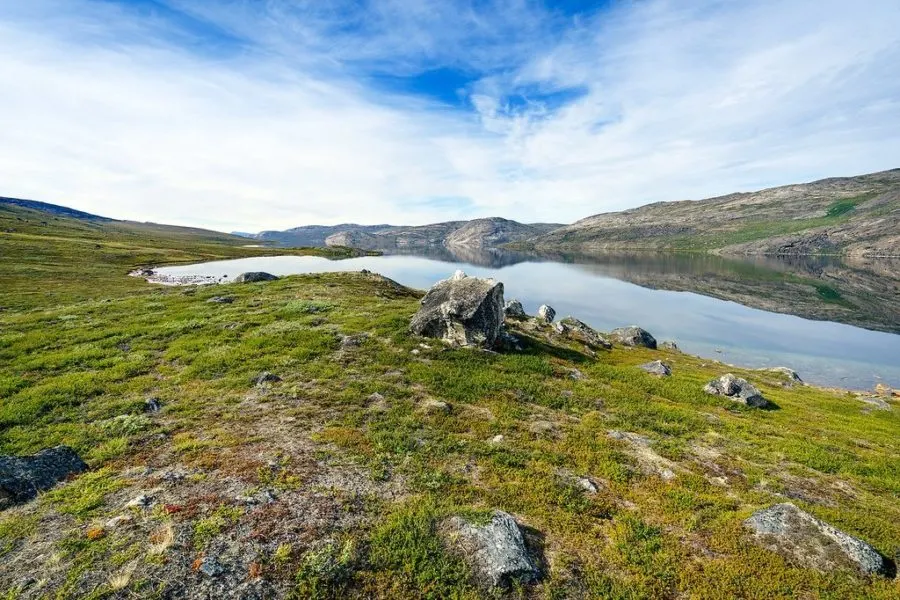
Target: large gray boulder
{"points": [[22, 477], [464, 311], [657, 367], [737, 389], [811, 542], [572, 327], [254, 277], [634, 336], [495, 551]]}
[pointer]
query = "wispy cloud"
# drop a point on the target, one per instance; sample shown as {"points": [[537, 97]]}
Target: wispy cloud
{"points": [[251, 115]]}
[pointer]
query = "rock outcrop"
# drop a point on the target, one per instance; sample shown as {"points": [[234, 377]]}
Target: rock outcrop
{"points": [[634, 336], [546, 313], [657, 367], [737, 389], [495, 551], [254, 277], [463, 311], [514, 310], [811, 542], [572, 327], [22, 477]]}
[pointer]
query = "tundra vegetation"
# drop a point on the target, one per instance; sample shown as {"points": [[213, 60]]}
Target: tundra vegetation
{"points": [[337, 477]]}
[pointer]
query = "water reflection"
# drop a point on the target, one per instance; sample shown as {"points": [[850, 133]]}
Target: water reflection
{"points": [[740, 311]]}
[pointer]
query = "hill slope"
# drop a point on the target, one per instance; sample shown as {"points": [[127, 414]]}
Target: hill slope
{"points": [[851, 215]]}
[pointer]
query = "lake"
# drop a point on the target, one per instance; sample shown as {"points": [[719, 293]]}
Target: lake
{"points": [[836, 324]]}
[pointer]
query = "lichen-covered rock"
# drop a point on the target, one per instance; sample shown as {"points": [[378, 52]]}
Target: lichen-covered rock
{"points": [[634, 336], [22, 477], [811, 542], [657, 367], [464, 311], [514, 310], [495, 551], [265, 378], [572, 327], [254, 277], [546, 313], [737, 389]]}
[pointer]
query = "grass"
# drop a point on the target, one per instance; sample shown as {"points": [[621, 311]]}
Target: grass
{"points": [[347, 494]]}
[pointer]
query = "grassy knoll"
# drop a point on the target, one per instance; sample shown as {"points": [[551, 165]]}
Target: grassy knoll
{"points": [[314, 487]]}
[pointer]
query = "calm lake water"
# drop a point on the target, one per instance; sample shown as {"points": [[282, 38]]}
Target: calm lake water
{"points": [[672, 296]]}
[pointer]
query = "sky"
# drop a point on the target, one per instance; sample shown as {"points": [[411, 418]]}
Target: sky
{"points": [[268, 114]]}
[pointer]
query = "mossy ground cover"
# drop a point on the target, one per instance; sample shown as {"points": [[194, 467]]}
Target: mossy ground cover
{"points": [[313, 486]]}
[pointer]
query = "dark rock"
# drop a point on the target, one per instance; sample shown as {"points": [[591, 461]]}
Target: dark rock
{"points": [[210, 567], [739, 390], [657, 367], [514, 310], [22, 477], [572, 327], [546, 313], [152, 405], [634, 336], [254, 277], [221, 299], [465, 311], [495, 551], [811, 542], [265, 378], [353, 341]]}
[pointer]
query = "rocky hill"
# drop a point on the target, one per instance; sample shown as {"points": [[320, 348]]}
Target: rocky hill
{"points": [[477, 233], [852, 215], [311, 235]]}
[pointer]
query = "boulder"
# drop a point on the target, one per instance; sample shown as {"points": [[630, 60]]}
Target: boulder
{"points": [[572, 327], [669, 345], [634, 336], [254, 277], [514, 310], [657, 367], [22, 477], [435, 407], [464, 311], [811, 542], [787, 372], [495, 551], [221, 299], [546, 313], [739, 390]]}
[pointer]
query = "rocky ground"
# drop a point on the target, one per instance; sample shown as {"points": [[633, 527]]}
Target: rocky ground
{"points": [[297, 440]]}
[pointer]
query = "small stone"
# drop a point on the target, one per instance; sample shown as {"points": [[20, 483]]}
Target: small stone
{"points": [[542, 428], [375, 398], [353, 341], [210, 567], [141, 501], [265, 378], [221, 299], [576, 375], [658, 368], [497, 439], [432, 406], [152, 405], [514, 310], [587, 485], [634, 336], [739, 390], [546, 313]]}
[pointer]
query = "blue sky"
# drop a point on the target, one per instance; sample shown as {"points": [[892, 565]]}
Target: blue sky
{"points": [[249, 115]]}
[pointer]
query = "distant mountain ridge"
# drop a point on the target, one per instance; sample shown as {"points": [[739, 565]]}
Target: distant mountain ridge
{"points": [[847, 215], [54, 209]]}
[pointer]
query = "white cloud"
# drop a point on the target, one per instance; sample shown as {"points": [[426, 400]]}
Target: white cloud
{"points": [[124, 116]]}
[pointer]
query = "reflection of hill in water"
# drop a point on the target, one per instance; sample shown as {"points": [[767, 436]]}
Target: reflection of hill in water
{"points": [[864, 292], [861, 292]]}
